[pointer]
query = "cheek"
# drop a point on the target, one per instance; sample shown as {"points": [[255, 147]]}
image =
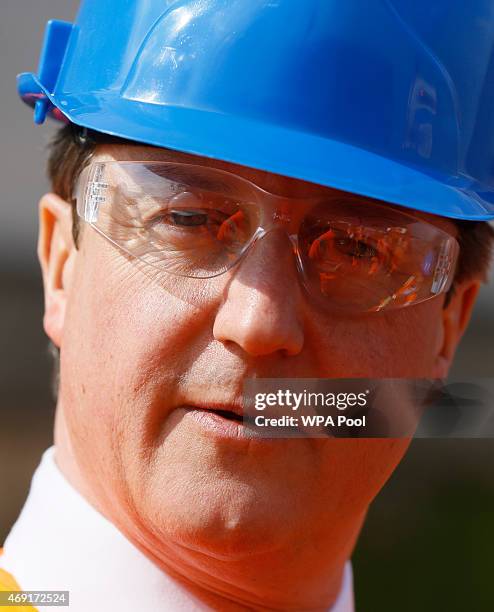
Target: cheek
{"points": [[126, 339], [415, 335], [400, 344], [122, 318], [356, 470]]}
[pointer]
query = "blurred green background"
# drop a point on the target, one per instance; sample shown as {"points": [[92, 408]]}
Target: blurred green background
{"points": [[429, 539]]}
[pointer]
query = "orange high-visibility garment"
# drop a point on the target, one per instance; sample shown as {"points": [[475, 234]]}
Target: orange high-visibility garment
{"points": [[8, 583]]}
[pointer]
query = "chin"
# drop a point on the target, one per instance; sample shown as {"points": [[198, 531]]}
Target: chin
{"points": [[223, 524]]}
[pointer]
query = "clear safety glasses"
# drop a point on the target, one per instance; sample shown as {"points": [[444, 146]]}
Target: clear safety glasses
{"points": [[196, 221]]}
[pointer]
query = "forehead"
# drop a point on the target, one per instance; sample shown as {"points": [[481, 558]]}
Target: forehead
{"points": [[274, 183]]}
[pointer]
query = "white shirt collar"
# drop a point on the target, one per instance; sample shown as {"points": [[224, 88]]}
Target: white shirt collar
{"points": [[100, 568]]}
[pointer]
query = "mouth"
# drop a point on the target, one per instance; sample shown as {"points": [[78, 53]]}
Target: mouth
{"points": [[224, 421], [230, 412], [226, 414], [233, 413]]}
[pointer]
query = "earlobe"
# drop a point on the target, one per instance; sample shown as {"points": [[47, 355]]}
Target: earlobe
{"points": [[55, 250], [455, 318]]}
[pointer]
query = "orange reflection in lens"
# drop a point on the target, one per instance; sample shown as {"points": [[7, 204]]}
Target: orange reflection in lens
{"points": [[317, 245], [229, 228], [374, 267], [408, 293]]}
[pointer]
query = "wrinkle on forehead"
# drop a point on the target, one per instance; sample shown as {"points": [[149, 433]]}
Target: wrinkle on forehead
{"points": [[274, 183]]}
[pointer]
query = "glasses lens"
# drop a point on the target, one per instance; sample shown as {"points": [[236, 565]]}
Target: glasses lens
{"points": [[189, 221], [197, 221], [368, 257]]}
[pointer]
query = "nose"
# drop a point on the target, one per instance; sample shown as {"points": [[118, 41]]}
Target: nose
{"points": [[261, 309]]}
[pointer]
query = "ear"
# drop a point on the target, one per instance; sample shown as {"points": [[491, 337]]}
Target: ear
{"points": [[455, 318], [56, 252]]}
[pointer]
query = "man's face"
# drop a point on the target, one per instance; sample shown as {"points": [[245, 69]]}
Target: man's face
{"points": [[135, 352]]}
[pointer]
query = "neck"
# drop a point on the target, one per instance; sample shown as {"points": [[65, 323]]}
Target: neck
{"points": [[288, 579]]}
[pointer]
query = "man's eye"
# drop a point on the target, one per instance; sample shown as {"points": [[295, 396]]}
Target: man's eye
{"points": [[356, 248], [188, 218]]}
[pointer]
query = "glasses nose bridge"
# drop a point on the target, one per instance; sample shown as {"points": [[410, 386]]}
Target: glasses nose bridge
{"points": [[279, 220], [277, 215], [277, 212]]}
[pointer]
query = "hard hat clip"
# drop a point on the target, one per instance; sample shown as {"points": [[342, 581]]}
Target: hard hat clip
{"points": [[36, 89]]}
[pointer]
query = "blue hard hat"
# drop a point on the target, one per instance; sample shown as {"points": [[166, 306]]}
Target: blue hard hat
{"points": [[392, 99]]}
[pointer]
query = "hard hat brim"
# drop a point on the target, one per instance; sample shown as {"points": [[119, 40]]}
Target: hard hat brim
{"points": [[267, 147]]}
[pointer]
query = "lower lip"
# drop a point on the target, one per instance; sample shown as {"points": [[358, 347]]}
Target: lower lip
{"points": [[219, 425]]}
